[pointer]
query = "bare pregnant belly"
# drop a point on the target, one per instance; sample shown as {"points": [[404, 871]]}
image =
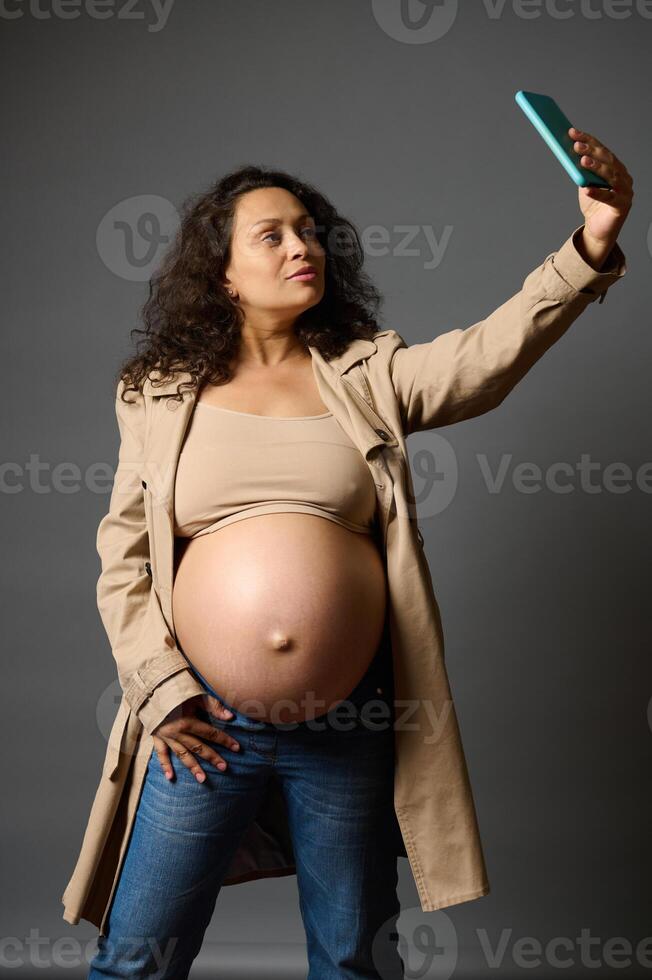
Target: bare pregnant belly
{"points": [[281, 613]]}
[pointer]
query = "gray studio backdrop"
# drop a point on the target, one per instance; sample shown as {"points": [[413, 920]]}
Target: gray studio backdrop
{"points": [[405, 117]]}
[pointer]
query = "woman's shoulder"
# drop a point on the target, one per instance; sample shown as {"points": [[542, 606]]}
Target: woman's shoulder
{"points": [[387, 341], [381, 345], [160, 382]]}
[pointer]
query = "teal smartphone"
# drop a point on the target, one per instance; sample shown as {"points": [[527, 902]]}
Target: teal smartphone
{"points": [[551, 124]]}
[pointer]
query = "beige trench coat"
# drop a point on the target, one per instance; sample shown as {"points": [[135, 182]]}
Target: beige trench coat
{"points": [[379, 391]]}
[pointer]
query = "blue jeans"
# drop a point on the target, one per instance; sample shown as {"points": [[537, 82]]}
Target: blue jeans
{"points": [[337, 779]]}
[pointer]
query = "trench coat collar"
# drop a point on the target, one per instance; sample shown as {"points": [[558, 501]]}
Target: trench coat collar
{"points": [[358, 350]]}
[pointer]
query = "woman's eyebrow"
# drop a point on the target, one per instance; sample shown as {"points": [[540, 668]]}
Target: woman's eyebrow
{"points": [[276, 221]]}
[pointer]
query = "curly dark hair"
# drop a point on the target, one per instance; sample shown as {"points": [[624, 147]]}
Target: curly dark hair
{"points": [[193, 325]]}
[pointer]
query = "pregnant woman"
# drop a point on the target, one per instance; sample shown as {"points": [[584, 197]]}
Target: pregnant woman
{"points": [[279, 593], [279, 605]]}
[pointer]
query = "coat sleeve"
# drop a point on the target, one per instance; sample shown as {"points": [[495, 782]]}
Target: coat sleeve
{"points": [[465, 373], [153, 673]]}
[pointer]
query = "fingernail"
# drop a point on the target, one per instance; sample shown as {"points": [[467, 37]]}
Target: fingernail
{"points": [[200, 776]]}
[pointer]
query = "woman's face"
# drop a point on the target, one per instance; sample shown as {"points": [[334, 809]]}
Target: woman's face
{"points": [[273, 237]]}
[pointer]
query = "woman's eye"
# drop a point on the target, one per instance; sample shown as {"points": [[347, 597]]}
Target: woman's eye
{"points": [[272, 234]]}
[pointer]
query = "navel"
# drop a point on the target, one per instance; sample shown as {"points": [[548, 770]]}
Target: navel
{"points": [[280, 641]]}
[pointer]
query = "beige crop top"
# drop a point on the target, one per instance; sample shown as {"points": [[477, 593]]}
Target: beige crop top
{"points": [[234, 465]]}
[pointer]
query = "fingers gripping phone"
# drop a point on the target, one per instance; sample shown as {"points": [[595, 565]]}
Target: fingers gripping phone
{"points": [[552, 125]]}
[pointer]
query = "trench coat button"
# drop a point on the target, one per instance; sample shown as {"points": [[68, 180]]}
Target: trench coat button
{"points": [[148, 568], [143, 484], [172, 406], [382, 433], [380, 485]]}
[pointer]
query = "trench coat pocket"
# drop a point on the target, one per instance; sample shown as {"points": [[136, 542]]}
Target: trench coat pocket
{"points": [[116, 739]]}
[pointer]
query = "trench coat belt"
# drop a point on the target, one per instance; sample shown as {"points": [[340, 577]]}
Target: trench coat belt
{"points": [[144, 681]]}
